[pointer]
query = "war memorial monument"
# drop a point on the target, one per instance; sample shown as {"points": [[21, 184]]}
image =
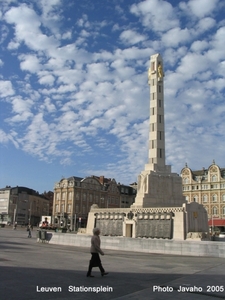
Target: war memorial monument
{"points": [[160, 210]]}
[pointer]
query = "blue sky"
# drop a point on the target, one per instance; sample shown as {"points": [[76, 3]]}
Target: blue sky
{"points": [[74, 97]]}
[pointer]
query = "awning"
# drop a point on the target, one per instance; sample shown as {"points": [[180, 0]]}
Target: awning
{"points": [[216, 222]]}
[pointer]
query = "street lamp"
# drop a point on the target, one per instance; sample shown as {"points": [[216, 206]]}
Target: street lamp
{"points": [[30, 212], [212, 225]]}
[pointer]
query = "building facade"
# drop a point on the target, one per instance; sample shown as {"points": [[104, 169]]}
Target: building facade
{"points": [[74, 196], [22, 205], [207, 187]]}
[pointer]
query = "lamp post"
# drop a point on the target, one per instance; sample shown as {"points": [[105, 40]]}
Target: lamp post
{"points": [[30, 212], [212, 225]]}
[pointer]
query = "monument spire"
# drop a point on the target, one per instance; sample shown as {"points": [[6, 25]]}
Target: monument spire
{"points": [[157, 186], [157, 130], [156, 154]]}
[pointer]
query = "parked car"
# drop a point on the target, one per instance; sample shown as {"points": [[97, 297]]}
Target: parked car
{"points": [[222, 235]]}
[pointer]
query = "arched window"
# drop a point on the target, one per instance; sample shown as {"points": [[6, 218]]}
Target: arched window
{"points": [[223, 197], [205, 198], [214, 178], [224, 210], [195, 199], [214, 198], [214, 210], [187, 198], [186, 180]]}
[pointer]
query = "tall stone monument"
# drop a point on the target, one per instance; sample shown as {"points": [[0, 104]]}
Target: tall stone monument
{"points": [[160, 210], [157, 186]]}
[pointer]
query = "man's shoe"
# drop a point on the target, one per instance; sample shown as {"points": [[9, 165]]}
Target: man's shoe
{"points": [[90, 275], [105, 273]]}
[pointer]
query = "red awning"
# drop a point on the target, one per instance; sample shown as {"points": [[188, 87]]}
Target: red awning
{"points": [[216, 222]]}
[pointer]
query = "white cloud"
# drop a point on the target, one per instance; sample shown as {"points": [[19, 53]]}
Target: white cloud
{"points": [[6, 88], [10, 137], [13, 45], [199, 46], [46, 78], [202, 8], [156, 15], [205, 24], [175, 37], [27, 24], [85, 89], [131, 37], [48, 106], [4, 138], [29, 63], [21, 109]]}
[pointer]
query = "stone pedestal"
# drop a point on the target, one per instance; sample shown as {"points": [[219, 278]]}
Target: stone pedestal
{"points": [[158, 189]]}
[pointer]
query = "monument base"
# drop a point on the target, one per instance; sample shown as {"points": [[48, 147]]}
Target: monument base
{"points": [[154, 223]]}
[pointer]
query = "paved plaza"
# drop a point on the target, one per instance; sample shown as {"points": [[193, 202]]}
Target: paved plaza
{"points": [[29, 269]]}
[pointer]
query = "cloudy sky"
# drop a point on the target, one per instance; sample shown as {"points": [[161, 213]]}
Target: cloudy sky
{"points": [[74, 93]]}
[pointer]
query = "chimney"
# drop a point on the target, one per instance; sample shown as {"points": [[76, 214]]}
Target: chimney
{"points": [[101, 179]]}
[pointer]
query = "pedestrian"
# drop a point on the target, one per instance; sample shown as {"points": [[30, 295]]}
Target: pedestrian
{"points": [[95, 250], [29, 231], [15, 225]]}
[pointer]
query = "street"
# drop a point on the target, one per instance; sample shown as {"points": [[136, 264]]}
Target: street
{"points": [[31, 270]]}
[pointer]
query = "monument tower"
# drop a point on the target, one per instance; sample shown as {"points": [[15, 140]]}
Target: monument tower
{"points": [[157, 186], [160, 209]]}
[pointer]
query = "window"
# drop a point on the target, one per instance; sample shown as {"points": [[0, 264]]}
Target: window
{"points": [[213, 186], [214, 210], [84, 196], [62, 208], [214, 198], [57, 196], [70, 195], [195, 199], [160, 88], [153, 111], [69, 208], [223, 197], [57, 208], [160, 153], [63, 196], [186, 180], [205, 198], [153, 66], [187, 198], [224, 210], [160, 135], [214, 178], [160, 103]]}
